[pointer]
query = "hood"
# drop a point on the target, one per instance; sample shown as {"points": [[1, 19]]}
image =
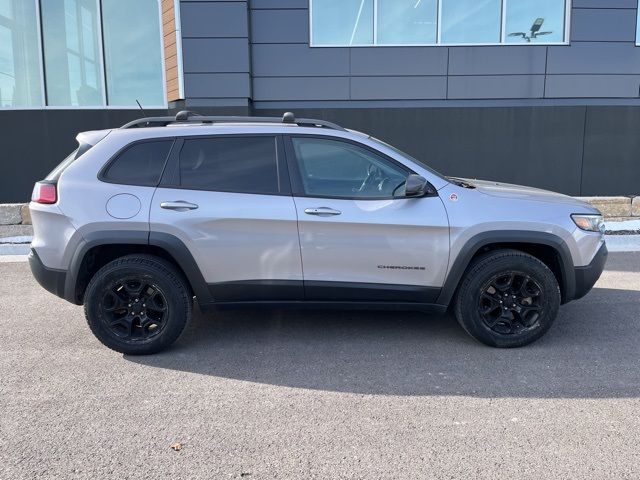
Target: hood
{"points": [[520, 192]]}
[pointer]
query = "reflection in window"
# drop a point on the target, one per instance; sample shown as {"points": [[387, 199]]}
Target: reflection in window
{"points": [[133, 57], [535, 21], [471, 21], [20, 84], [342, 22], [407, 21], [71, 53]]}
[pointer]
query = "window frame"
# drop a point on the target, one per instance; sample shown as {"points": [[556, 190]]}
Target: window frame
{"points": [[102, 174], [171, 176], [566, 40], [102, 69], [297, 184]]}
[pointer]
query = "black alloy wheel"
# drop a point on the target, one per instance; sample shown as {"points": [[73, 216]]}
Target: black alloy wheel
{"points": [[511, 303], [134, 308]]}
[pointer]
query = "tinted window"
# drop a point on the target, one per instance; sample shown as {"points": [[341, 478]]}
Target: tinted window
{"points": [[339, 169], [140, 164], [541, 21], [342, 22], [471, 21], [407, 21], [226, 164]]}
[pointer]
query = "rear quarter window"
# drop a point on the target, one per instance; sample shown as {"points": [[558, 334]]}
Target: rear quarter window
{"points": [[139, 164]]}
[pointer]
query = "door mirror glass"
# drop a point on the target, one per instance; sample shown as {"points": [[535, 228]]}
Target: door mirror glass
{"points": [[416, 186]]}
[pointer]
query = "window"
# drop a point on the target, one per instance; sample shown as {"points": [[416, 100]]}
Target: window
{"points": [[342, 22], [339, 169], [539, 21], [20, 76], [140, 164], [133, 59], [471, 21], [407, 21], [434, 22], [71, 51], [80, 53], [230, 164]]}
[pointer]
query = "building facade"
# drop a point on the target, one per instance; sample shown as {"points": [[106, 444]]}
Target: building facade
{"points": [[537, 92]]}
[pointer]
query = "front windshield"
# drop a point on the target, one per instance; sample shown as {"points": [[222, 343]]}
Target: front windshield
{"points": [[406, 155]]}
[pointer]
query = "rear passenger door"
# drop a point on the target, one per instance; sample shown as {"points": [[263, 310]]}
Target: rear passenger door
{"points": [[228, 199]]}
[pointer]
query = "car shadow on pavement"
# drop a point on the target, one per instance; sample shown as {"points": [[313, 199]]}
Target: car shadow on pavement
{"points": [[591, 352]]}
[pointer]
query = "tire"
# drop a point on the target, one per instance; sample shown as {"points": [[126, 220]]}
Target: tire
{"points": [[142, 327], [531, 290]]}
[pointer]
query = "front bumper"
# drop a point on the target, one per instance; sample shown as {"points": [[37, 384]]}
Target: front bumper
{"points": [[587, 276], [50, 279]]}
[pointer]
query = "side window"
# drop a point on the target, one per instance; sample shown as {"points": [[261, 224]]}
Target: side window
{"points": [[140, 164], [334, 168], [230, 164]]}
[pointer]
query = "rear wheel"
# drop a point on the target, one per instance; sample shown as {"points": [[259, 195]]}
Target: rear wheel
{"points": [[137, 304], [507, 299]]}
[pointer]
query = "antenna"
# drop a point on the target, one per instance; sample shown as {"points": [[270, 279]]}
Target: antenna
{"points": [[143, 112]]}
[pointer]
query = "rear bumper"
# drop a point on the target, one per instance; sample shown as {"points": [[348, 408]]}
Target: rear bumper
{"points": [[50, 279], [587, 276]]}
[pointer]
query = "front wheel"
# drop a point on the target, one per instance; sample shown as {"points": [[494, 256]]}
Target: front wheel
{"points": [[507, 299], [137, 304]]}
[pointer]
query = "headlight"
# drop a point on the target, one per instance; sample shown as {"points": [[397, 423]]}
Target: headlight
{"points": [[590, 223]]}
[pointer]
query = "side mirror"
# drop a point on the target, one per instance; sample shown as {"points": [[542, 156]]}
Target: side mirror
{"points": [[417, 186]]}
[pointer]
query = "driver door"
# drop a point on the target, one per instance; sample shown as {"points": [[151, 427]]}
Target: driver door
{"points": [[360, 238]]}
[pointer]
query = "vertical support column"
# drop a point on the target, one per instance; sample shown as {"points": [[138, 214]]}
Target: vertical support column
{"points": [[172, 37]]}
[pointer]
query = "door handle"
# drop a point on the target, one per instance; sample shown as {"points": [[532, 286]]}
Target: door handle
{"points": [[180, 206], [322, 211]]}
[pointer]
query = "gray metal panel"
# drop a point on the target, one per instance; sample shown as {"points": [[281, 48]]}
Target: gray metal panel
{"points": [[500, 60], [603, 3], [216, 55], [611, 147], [214, 19], [279, 26], [308, 88], [603, 24], [218, 85], [594, 58], [598, 86], [501, 86], [397, 88], [399, 61], [299, 60], [257, 4]]}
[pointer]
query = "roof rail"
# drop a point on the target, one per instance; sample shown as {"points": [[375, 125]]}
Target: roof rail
{"points": [[187, 117]]}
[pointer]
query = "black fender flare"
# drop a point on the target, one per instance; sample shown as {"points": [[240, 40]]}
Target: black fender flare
{"points": [[477, 242], [169, 243]]}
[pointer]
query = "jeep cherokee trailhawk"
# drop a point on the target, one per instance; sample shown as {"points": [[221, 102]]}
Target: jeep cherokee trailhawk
{"points": [[296, 212]]}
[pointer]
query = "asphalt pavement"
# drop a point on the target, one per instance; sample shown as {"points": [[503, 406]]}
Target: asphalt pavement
{"points": [[326, 395]]}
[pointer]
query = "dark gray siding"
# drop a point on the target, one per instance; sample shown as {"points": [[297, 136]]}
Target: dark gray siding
{"points": [[216, 57], [266, 42], [602, 43]]}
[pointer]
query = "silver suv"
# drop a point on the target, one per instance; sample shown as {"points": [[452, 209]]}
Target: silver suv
{"points": [[297, 212]]}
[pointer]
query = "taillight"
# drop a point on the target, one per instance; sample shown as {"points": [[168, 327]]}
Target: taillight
{"points": [[44, 193]]}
